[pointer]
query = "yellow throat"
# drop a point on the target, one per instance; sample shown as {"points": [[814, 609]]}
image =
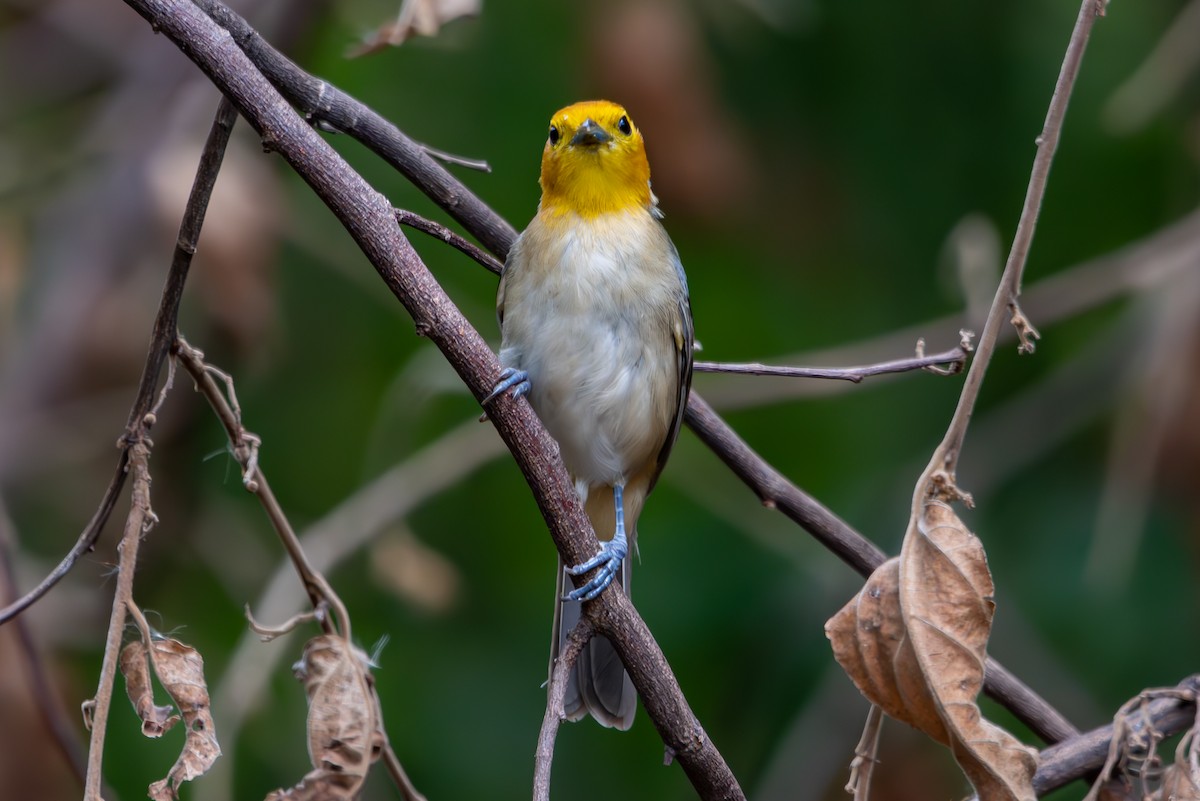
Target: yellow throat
{"points": [[594, 162]]}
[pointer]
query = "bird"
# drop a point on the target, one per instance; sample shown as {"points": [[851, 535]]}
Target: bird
{"points": [[597, 333]]}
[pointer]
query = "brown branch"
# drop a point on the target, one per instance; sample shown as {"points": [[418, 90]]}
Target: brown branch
{"points": [[951, 362], [164, 333], [940, 476], [439, 231], [578, 637], [140, 519]]}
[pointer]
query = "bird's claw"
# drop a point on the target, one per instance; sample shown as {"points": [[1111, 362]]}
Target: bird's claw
{"points": [[510, 378], [609, 562]]}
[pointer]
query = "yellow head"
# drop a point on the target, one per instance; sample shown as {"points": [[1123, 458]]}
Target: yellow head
{"points": [[594, 161]]}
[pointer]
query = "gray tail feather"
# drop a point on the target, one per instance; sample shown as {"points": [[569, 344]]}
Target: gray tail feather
{"points": [[599, 684]]}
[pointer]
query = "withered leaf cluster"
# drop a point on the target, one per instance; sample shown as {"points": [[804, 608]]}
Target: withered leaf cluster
{"points": [[180, 670]]}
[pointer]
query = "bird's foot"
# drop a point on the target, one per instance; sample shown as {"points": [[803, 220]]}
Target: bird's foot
{"points": [[609, 562], [510, 378]]}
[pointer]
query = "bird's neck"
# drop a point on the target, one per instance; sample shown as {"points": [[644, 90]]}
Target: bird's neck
{"points": [[589, 187]]}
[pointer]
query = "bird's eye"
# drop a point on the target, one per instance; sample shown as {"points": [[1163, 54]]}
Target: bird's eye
{"points": [[553, 135], [624, 127]]}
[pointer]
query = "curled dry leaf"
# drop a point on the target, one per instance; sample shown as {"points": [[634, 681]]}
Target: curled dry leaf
{"points": [[914, 641], [180, 670], [156, 720], [344, 721]]}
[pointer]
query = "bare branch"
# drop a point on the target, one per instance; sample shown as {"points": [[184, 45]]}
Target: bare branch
{"points": [[450, 158], [245, 449], [866, 756], [487, 226], [951, 361], [425, 226], [165, 324]]}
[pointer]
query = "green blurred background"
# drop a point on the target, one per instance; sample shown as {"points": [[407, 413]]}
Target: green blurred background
{"points": [[839, 178]]}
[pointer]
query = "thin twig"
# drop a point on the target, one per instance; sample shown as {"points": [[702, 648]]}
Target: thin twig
{"points": [[1166, 255], [952, 361], [578, 637], [866, 756], [165, 324], [140, 519], [244, 446], [940, 477], [434, 229], [461, 161]]}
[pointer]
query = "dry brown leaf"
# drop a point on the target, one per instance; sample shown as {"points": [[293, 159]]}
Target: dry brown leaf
{"points": [[344, 721], [1181, 780], [180, 670], [156, 720], [416, 18], [914, 642]]}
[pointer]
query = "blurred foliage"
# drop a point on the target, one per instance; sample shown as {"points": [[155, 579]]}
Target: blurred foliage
{"points": [[813, 159]]}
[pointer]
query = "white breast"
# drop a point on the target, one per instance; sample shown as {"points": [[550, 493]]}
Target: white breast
{"points": [[589, 310]]}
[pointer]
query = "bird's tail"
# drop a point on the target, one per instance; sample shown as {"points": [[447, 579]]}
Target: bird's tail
{"points": [[599, 684]]}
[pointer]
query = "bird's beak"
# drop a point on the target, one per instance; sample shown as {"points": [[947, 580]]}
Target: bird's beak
{"points": [[590, 134]]}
